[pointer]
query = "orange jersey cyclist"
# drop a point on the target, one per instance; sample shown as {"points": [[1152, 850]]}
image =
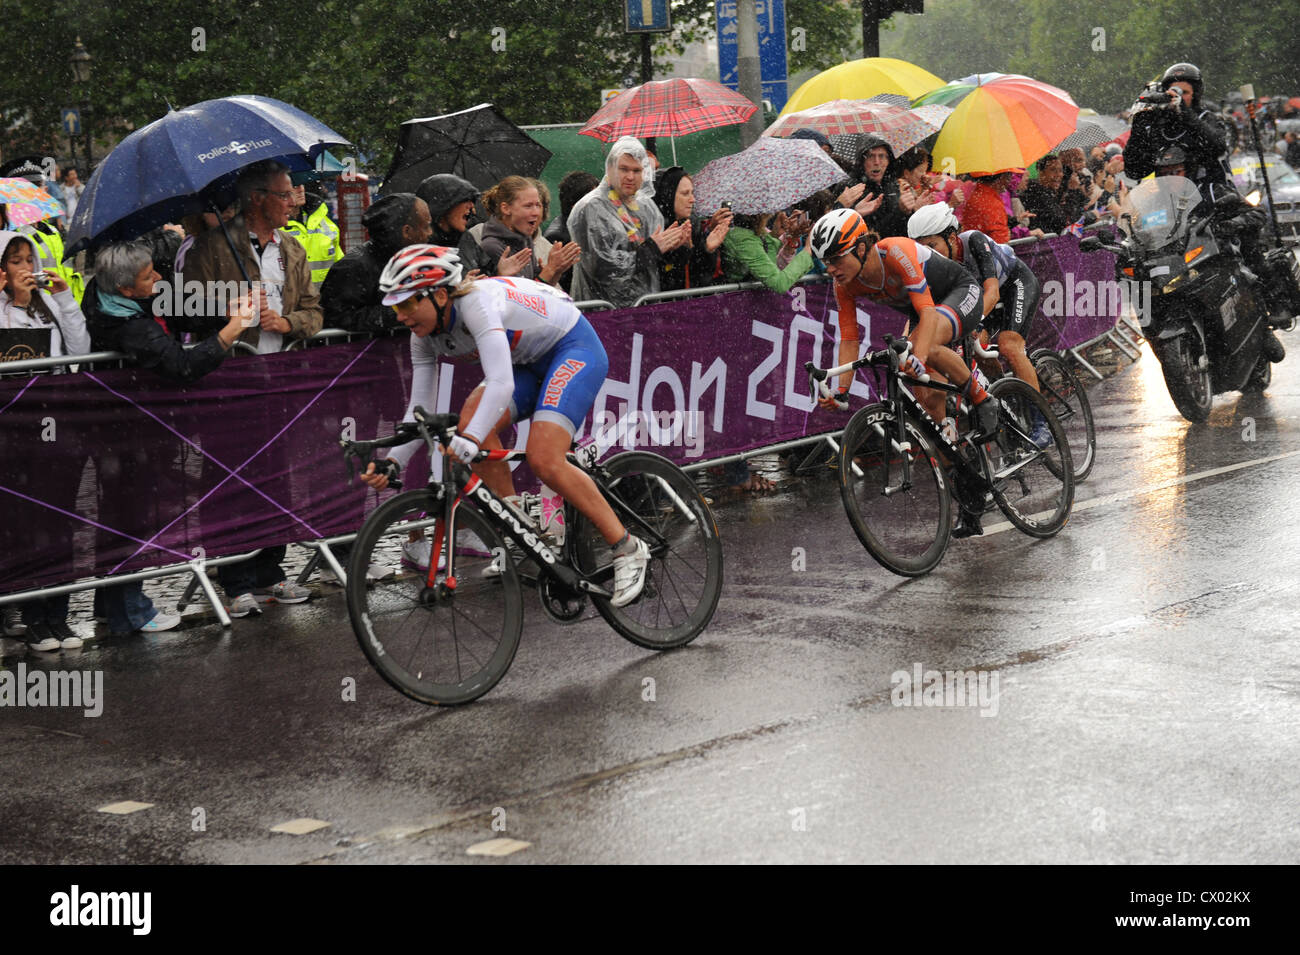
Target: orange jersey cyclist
{"points": [[942, 298]]}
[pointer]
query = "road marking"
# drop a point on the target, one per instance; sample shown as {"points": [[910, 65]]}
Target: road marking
{"points": [[1151, 489], [497, 847], [124, 808], [300, 827]]}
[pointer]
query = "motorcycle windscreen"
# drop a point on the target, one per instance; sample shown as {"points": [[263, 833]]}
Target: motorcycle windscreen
{"points": [[1158, 210]]}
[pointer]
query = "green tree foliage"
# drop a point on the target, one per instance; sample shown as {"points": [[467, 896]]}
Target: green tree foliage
{"points": [[1104, 51]]}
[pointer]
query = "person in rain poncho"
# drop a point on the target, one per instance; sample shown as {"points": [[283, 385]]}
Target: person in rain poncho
{"points": [[621, 232]]}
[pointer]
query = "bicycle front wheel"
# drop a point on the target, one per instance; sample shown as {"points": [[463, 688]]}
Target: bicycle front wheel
{"points": [[437, 641], [659, 503], [1068, 400], [903, 520], [1033, 486]]}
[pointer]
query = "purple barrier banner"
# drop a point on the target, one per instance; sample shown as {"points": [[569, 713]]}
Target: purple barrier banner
{"points": [[106, 472]]}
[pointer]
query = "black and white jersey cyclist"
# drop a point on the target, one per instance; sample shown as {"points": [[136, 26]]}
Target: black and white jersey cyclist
{"points": [[541, 359], [1010, 290]]}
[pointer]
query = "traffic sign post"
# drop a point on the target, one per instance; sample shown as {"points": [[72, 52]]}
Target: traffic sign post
{"points": [[646, 16], [71, 121], [771, 48]]}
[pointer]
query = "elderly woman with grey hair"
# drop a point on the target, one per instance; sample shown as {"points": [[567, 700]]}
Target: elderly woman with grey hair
{"points": [[120, 315], [119, 312]]}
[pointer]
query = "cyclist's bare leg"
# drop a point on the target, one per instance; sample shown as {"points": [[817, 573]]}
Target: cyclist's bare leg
{"points": [[929, 339], [548, 443], [1012, 347]]}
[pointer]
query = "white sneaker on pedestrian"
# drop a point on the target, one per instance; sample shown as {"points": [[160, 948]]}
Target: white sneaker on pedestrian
{"points": [[285, 592], [162, 621], [629, 574], [68, 638], [469, 544], [243, 605], [417, 553]]}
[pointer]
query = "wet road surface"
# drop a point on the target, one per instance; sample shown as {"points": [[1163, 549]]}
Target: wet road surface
{"points": [[1140, 697]]}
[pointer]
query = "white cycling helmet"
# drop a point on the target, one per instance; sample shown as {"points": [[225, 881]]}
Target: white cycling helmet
{"points": [[419, 268], [934, 219]]}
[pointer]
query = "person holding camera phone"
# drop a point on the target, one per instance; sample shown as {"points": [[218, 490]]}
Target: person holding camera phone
{"points": [[31, 298]]}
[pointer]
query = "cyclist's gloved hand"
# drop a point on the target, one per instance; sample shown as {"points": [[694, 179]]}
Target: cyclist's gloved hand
{"points": [[463, 448], [835, 401], [915, 367]]}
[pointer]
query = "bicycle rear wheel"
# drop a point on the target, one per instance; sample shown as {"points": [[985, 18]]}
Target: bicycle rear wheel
{"points": [[1034, 487], [1068, 400], [436, 644], [659, 503], [904, 527]]}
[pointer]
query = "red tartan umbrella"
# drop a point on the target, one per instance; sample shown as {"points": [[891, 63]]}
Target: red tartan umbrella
{"points": [[668, 108]]}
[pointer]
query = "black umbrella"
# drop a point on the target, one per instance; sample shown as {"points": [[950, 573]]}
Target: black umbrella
{"points": [[478, 144]]}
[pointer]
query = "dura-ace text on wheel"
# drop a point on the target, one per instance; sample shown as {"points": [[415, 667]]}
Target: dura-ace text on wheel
{"points": [[661, 505], [1034, 487], [438, 640], [903, 523]]}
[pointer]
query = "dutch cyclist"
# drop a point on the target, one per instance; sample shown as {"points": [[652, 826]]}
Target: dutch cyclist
{"points": [[541, 359], [1010, 289], [941, 297]]}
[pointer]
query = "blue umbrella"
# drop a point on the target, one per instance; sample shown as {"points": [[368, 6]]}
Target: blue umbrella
{"points": [[175, 165]]}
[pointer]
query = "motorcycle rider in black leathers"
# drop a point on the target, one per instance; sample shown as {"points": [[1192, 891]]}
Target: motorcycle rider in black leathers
{"points": [[1183, 125], [1246, 222]]}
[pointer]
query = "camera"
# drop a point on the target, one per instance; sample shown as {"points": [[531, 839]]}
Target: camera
{"points": [[726, 204], [43, 280]]}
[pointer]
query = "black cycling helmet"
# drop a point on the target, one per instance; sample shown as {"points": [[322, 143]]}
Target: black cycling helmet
{"points": [[1184, 73]]}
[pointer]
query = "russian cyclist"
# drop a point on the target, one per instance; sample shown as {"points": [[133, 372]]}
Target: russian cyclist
{"points": [[541, 359]]}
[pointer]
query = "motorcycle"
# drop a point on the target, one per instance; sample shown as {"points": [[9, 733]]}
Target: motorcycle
{"points": [[1200, 310]]}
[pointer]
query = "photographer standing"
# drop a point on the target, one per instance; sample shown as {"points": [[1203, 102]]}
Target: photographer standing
{"points": [[1176, 118]]}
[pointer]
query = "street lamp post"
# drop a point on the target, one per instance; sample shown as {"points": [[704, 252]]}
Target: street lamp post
{"points": [[81, 60]]}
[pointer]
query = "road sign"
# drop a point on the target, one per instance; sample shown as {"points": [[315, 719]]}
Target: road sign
{"points": [[646, 16], [771, 48], [71, 121]]}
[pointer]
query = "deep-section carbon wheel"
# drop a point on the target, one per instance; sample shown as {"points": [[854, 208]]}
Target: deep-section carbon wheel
{"points": [[438, 639]]}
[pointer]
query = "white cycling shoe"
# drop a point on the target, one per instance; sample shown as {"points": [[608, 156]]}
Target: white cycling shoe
{"points": [[630, 573]]}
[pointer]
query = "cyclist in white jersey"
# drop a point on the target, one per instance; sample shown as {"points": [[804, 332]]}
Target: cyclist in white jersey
{"points": [[541, 359]]}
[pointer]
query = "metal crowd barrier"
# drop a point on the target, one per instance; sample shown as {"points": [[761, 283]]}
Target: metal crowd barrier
{"points": [[323, 547]]}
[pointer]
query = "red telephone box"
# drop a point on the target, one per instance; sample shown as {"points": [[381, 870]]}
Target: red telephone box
{"points": [[353, 201]]}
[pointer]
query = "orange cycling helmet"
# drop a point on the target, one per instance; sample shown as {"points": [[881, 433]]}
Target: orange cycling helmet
{"points": [[838, 232]]}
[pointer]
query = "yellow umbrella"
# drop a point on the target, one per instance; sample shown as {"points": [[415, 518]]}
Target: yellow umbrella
{"points": [[862, 79], [1005, 124]]}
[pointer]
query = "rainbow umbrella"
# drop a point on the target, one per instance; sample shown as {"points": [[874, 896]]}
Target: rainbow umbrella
{"points": [[862, 79], [950, 94], [1006, 123], [27, 203]]}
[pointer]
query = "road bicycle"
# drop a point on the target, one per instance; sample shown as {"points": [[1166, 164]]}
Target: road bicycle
{"points": [[445, 629], [1064, 392], [898, 490]]}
